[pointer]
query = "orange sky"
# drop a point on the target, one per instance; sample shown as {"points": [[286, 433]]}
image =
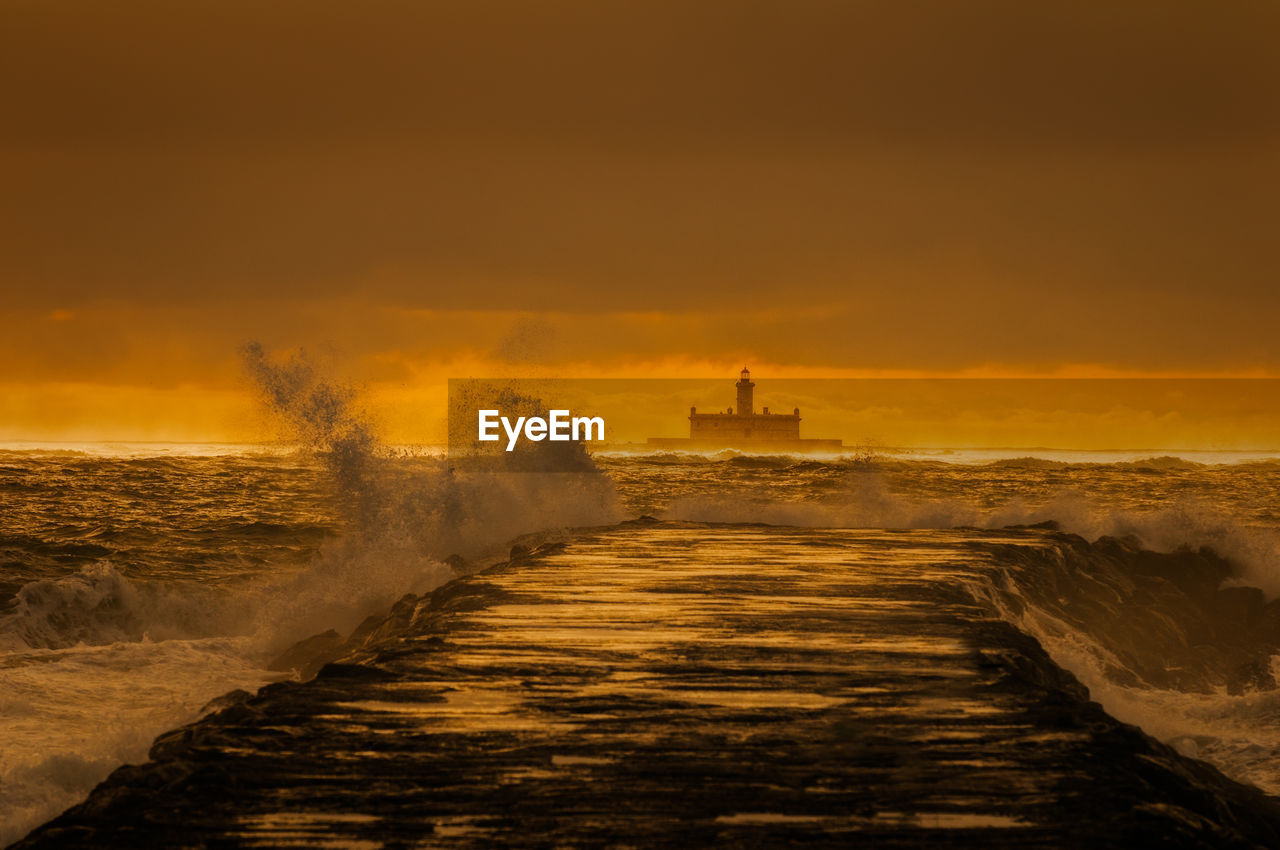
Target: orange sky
{"points": [[425, 190]]}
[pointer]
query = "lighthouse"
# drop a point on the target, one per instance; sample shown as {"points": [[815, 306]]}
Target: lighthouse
{"points": [[743, 423], [746, 402], [743, 428]]}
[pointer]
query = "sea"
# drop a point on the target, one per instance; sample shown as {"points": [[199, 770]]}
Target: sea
{"points": [[140, 582]]}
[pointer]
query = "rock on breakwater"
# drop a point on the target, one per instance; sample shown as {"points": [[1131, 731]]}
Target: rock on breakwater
{"points": [[669, 685]]}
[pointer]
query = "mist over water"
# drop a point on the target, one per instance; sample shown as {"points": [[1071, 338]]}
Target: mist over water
{"points": [[137, 587]]}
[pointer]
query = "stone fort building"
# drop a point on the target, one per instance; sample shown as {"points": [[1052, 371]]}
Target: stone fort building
{"points": [[745, 424], [743, 428]]}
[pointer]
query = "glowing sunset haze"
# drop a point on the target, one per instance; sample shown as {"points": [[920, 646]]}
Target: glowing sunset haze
{"points": [[657, 424]]}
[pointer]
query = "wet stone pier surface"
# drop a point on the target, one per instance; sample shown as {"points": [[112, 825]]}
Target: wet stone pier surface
{"points": [[675, 685]]}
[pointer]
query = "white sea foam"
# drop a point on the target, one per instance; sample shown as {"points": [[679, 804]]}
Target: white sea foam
{"points": [[68, 717], [1238, 733], [94, 664]]}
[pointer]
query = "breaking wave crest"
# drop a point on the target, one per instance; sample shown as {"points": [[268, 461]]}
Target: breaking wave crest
{"points": [[98, 605], [1172, 642]]}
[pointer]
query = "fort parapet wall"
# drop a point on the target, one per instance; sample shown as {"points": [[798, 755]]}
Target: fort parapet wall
{"points": [[688, 444], [757, 426]]}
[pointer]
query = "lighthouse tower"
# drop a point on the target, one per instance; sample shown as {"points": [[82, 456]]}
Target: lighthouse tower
{"points": [[746, 404]]}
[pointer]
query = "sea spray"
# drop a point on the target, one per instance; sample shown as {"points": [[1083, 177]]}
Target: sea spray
{"points": [[188, 601], [170, 579], [409, 514], [319, 410]]}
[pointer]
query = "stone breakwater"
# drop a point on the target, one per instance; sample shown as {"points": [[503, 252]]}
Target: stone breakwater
{"points": [[674, 685]]}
